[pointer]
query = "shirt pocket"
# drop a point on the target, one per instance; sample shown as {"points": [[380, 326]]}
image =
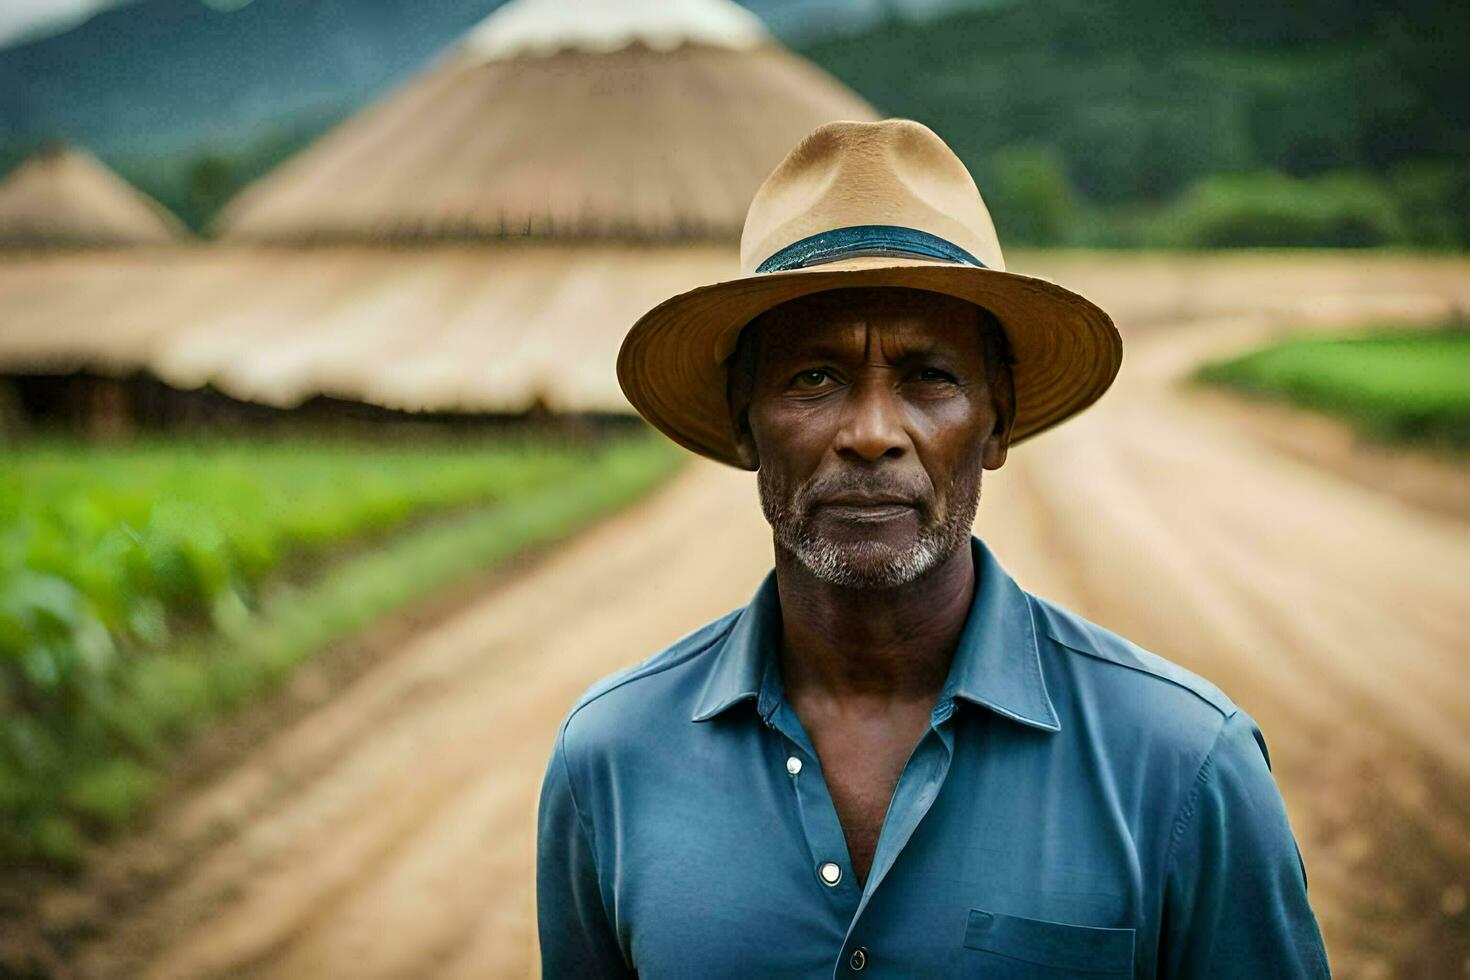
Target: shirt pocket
{"points": [[1047, 948]]}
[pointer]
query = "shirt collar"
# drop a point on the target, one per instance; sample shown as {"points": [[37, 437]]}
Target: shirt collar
{"points": [[997, 662], [749, 648]]}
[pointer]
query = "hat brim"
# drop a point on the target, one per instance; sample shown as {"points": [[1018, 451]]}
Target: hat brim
{"points": [[671, 365]]}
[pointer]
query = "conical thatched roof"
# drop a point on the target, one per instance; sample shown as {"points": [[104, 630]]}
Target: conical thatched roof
{"points": [[62, 195], [650, 120]]}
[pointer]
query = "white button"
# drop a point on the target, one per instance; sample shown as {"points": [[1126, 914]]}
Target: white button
{"points": [[831, 873], [793, 765], [858, 960]]}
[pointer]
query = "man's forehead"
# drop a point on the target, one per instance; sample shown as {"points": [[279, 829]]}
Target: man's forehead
{"points": [[857, 327]]}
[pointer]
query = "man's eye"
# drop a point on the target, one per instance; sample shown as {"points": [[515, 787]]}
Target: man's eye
{"points": [[933, 374], [811, 378]]}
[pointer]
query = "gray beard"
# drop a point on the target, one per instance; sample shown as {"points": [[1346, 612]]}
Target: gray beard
{"points": [[868, 564]]}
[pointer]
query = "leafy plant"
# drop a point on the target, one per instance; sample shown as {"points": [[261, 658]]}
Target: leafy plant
{"points": [[140, 586], [1399, 385]]}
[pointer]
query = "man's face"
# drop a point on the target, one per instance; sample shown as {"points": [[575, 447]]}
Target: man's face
{"points": [[871, 416]]}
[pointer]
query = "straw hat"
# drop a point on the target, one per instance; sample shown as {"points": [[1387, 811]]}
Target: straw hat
{"points": [[864, 204]]}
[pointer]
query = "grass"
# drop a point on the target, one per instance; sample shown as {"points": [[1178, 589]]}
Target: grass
{"points": [[1393, 385], [150, 589]]}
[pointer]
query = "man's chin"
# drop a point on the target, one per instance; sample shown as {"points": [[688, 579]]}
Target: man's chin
{"points": [[865, 564]]}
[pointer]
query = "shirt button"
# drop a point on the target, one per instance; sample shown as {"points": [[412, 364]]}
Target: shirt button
{"points": [[831, 873], [793, 765], [858, 960]]}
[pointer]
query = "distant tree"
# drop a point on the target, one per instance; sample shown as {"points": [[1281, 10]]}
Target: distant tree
{"points": [[1029, 196], [1434, 199], [210, 186], [1341, 210]]}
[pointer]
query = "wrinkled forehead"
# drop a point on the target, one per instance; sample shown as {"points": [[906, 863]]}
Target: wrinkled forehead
{"points": [[869, 324]]}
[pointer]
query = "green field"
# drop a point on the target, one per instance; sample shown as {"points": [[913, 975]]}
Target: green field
{"points": [[147, 589], [1410, 386]]}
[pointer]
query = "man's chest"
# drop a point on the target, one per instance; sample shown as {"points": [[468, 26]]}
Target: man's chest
{"points": [[725, 866], [861, 768]]}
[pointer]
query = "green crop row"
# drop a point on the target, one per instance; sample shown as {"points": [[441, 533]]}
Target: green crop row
{"points": [[1397, 385], [147, 589]]}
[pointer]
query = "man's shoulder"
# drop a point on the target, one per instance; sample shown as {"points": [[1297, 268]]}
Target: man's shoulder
{"points": [[1153, 682], [1139, 667], [651, 691]]}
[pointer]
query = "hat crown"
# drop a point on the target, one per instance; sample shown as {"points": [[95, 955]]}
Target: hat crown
{"points": [[896, 172]]}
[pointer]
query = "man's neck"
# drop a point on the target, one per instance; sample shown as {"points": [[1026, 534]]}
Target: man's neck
{"points": [[871, 646]]}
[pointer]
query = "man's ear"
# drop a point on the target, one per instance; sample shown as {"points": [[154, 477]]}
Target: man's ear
{"points": [[1003, 401], [740, 369], [743, 438], [737, 400]]}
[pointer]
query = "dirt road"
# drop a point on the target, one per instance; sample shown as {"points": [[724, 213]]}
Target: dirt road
{"points": [[390, 833]]}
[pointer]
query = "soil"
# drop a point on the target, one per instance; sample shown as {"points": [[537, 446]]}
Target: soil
{"points": [[387, 828]]}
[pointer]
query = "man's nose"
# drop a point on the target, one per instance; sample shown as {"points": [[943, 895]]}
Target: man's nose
{"points": [[872, 422]]}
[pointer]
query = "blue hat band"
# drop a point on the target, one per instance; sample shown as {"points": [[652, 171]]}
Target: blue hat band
{"points": [[894, 241]]}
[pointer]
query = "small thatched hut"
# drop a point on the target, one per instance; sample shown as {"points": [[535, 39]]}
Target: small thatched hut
{"points": [[64, 196], [649, 120]]}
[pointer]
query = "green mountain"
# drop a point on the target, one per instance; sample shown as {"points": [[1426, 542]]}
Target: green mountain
{"points": [[1343, 121]]}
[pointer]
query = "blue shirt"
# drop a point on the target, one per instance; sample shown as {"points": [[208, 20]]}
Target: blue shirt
{"points": [[1078, 806]]}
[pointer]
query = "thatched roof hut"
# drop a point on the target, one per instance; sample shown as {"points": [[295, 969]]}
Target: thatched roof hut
{"points": [[587, 159], [64, 196], [647, 120]]}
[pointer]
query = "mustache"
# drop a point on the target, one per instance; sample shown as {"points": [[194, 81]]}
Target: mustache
{"points": [[916, 491]]}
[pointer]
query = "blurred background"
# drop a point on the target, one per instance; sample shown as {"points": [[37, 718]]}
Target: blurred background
{"points": [[320, 504]]}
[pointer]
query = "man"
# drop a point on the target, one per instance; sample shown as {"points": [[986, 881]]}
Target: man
{"points": [[894, 760]]}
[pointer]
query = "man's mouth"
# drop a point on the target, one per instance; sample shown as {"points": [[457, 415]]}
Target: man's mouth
{"points": [[868, 512], [866, 507]]}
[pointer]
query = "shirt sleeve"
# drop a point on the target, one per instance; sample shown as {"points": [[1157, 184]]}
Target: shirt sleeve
{"points": [[575, 936], [1236, 895]]}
